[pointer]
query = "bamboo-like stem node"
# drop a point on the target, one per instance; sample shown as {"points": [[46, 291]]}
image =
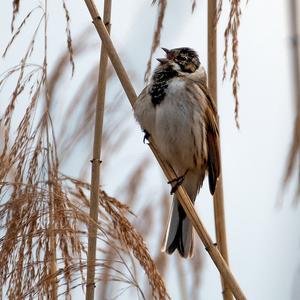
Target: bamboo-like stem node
{"points": [[96, 160], [97, 18]]}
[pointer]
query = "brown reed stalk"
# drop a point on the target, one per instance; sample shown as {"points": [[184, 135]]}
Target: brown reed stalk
{"points": [[95, 176], [181, 194], [219, 213]]}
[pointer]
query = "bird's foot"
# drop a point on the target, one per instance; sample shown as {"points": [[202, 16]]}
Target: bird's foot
{"points": [[146, 136], [177, 183]]}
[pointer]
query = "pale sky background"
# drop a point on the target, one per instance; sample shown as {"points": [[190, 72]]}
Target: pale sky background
{"points": [[264, 240]]}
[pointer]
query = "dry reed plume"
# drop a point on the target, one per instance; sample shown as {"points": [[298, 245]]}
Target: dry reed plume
{"points": [[232, 31]]}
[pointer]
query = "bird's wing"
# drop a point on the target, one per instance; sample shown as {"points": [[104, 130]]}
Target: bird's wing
{"points": [[213, 162], [213, 143], [212, 138]]}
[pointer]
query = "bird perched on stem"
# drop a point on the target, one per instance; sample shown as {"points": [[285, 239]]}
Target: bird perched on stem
{"points": [[178, 113]]}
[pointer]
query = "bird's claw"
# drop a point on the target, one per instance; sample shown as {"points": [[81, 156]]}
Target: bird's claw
{"points": [[178, 182], [146, 136]]}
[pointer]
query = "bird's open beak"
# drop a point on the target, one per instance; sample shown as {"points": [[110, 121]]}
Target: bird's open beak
{"points": [[162, 60], [166, 50]]}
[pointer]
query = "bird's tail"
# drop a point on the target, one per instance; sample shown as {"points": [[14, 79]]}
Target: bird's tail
{"points": [[179, 233]]}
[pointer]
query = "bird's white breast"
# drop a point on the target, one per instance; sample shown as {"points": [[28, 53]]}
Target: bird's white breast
{"points": [[177, 125]]}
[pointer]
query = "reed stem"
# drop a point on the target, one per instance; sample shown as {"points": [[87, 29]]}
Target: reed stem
{"points": [[219, 213], [95, 174]]}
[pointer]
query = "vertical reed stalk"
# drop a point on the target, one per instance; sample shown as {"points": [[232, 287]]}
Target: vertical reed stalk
{"points": [[184, 199], [95, 176], [219, 213]]}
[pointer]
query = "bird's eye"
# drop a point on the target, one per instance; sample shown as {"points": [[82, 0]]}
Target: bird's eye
{"points": [[183, 58]]}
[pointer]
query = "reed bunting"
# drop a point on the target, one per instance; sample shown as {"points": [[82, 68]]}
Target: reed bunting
{"points": [[177, 111]]}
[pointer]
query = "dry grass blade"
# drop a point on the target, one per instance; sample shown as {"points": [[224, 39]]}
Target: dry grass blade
{"points": [[232, 30], [219, 10], [69, 37], [34, 78], [162, 5], [16, 7], [18, 31]]}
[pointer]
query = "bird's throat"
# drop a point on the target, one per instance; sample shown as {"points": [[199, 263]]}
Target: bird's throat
{"points": [[160, 84]]}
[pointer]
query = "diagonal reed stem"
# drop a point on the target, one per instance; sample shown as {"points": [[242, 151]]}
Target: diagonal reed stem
{"points": [[219, 214], [95, 176], [181, 193]]}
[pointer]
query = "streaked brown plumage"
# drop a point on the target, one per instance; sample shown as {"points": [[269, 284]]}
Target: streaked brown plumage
{"points": [[178, 112]]}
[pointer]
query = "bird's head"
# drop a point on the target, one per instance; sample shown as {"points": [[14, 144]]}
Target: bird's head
{"points": [[183, 59]]}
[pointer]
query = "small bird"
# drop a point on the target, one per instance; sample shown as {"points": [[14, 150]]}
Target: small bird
{"points": [[179, 114]]}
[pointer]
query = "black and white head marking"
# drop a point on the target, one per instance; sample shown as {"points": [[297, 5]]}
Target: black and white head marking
{"points": [[185, 57], [178, 61]]}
